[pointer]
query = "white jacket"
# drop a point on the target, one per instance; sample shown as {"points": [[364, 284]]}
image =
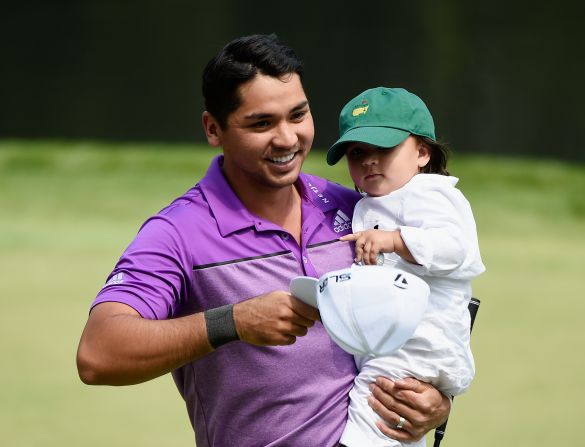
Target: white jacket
{"points": [[437, 225]]}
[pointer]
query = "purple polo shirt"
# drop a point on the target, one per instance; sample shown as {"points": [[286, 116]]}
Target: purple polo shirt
{"points": [[205, 250]]}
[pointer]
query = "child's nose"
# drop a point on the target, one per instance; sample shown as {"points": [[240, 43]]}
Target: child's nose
{"points": [[370, 159]]}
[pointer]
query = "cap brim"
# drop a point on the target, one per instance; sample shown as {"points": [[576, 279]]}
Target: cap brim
{"points": [[385, 137], [305, 289]]}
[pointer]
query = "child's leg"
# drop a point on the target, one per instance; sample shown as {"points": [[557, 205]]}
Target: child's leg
{"points": [[361, 429]]}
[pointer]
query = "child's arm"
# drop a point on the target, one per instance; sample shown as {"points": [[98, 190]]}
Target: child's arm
{"points": [[370, 243], [438, 228]]}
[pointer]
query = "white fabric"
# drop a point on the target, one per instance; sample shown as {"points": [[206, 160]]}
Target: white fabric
{"points": [[437, 225]]}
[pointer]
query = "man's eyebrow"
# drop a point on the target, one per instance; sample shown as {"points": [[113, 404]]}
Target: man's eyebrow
{"points": [[257, 116], [261, 116], [300, 105]]}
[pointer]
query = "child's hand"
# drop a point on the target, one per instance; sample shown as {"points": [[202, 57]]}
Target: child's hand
{"points": [[370, 243]]}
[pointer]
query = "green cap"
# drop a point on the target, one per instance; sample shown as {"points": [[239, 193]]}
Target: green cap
{"points": [[382, 117]]}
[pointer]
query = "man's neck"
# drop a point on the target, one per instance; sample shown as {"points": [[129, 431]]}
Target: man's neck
{"points": [[281, 206]]}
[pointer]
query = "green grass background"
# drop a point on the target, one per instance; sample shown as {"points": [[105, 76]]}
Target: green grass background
{"points": [[67, 211]]}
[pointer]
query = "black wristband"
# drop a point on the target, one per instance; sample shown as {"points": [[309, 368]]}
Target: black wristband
{"points": [[221, 328]]}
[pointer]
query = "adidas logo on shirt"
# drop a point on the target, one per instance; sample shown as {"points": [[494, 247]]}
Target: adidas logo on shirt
{"points": [[118, 278], [341, 222]]}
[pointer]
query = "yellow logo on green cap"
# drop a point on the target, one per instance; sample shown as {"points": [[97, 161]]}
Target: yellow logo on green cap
{"points": [[361, 110]]}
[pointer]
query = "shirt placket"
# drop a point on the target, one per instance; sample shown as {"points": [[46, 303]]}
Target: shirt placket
{"points": [[314, 218]]}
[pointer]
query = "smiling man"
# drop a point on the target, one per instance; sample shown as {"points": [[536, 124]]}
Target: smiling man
{"points": [[201, 291]]}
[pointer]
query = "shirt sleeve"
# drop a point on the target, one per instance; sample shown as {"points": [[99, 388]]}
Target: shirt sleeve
{"points": [[433, 231], [153, 273]]}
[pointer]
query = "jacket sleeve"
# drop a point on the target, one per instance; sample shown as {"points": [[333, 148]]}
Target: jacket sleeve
{"points": [[432, 229]]}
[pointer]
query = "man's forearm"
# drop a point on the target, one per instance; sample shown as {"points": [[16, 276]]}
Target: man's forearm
{"points": [[119, 347]]}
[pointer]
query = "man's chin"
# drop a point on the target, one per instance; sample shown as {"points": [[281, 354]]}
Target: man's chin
{"points": [[284, 180]]}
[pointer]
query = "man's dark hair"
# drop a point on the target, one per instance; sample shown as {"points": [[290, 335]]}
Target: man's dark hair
{"points": [[439, 156], [238, 62]]}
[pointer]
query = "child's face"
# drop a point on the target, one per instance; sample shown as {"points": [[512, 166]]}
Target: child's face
{"points": [[381, 171]]}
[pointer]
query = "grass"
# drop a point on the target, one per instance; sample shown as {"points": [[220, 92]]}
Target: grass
{"points": [[69, 209]]}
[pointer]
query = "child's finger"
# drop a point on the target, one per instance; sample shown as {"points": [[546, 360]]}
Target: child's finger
{"points": [[359, 251], [350, 237], [374, 257], [372, 253], [367, 252]]}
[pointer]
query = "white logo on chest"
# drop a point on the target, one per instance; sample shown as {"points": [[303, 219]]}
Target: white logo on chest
{"points": [[341, 222]]}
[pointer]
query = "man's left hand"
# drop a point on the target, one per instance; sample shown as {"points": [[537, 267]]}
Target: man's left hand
{"points": [[421, 406]]}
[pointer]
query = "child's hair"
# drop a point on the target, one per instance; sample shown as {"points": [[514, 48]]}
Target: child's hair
{"points": [[439, 156]]}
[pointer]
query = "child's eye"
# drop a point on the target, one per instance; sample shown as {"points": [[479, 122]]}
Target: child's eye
{"points": [[355, 152]]}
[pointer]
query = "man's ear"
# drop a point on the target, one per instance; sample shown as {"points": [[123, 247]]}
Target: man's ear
{"points": [[212, 129], [424, 155]]}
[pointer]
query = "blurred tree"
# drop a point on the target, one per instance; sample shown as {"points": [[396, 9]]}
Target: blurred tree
{"points": [[498, 76]]}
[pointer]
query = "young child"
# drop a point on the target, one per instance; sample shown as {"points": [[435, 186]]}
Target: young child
{"points": [[412, 217]]}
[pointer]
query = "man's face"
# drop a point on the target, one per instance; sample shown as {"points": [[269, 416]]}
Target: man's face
{"points": [[268, 137]]}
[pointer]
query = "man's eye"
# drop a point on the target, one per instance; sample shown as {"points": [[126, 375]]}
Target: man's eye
{"points": [[298, 116], [261, 124]]}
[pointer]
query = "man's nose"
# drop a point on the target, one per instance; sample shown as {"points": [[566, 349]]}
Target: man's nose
{"points": [[285, 136]]}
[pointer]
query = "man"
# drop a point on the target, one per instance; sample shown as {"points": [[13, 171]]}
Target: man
{"points": [[200, 292]]}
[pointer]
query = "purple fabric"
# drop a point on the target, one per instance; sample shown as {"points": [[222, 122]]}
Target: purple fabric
{"points": [[206, 250]]}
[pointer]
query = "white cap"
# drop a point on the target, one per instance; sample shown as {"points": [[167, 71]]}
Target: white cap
{"points": [[367, 310]]}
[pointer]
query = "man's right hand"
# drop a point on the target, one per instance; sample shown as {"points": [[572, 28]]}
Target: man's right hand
{"points": [[276, 318]]}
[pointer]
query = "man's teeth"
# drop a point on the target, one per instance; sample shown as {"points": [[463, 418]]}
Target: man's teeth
{"points": [[284, 159]]}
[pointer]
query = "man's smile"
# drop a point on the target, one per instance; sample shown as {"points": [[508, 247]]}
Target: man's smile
{"points": [[282, 159]]}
